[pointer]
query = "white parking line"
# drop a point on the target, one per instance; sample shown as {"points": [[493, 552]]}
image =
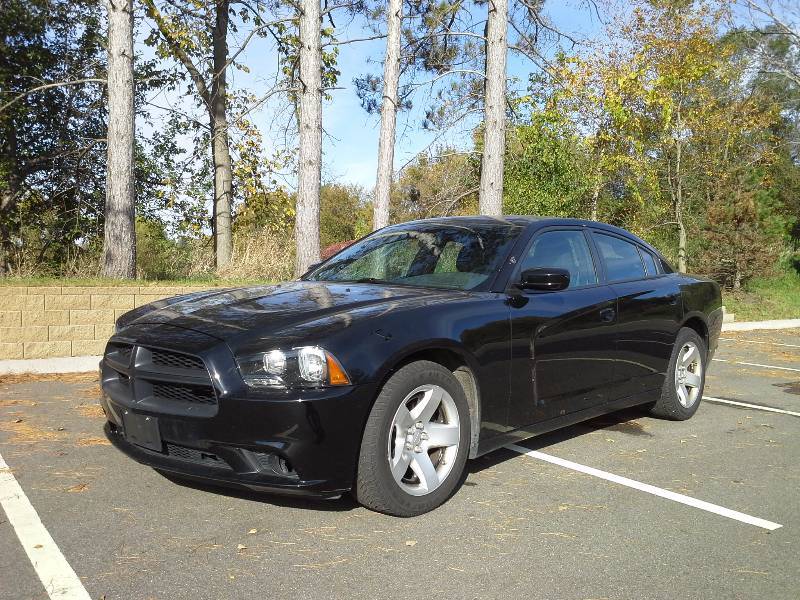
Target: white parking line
{"points": [[58, 578], [753, 406], [650, 489], [723, 339], [749, 364]]}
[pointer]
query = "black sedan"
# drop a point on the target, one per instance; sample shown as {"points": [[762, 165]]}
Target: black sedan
{"points": [[386, 367]]}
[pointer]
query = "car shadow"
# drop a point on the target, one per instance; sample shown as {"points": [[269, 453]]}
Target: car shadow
{"points": [[344, 503], [624, 421]]}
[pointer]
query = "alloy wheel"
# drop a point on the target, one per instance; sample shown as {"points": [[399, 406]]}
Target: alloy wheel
{"points": [[688, 374], [424, 440]]}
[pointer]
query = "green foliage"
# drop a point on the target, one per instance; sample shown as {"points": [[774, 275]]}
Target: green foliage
{"points": [[546, 170], [763, 298], [444, 184], [157, 256], [344, 214]]}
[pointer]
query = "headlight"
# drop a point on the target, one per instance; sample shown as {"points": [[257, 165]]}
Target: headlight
{"points": [[307, 366]]}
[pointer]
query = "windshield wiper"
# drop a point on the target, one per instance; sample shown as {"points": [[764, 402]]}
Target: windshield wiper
{"points": [[366, 280]]}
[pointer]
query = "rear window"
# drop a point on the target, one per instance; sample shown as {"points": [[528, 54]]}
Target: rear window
{"points": [[649, 263], [621, 258]]}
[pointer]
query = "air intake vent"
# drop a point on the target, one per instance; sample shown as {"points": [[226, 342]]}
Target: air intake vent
{"points": [[195, 394], [176, 360], [196, 456]]}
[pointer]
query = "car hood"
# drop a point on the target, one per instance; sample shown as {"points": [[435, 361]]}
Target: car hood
{"points": [[269, 309]]}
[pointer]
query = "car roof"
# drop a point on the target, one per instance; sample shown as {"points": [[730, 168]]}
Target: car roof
{"points": [[528, 220]]}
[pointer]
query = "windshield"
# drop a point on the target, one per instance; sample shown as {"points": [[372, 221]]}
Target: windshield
{"points": [[424, 254]]}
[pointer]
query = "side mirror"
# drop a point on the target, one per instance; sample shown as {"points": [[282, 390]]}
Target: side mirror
{"points": [[549, 279]]}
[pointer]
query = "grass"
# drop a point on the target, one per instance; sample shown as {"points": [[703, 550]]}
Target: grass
{"points": [[764, 299]]}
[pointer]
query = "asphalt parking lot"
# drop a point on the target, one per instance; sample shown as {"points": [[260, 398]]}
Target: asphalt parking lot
{"points": [[521, 526]]}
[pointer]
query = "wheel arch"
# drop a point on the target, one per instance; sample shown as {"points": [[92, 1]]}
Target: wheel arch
{"points": [[699, 325], [456, 360]]}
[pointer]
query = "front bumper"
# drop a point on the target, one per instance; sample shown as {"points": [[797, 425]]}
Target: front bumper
{"points": [[304, 442]]}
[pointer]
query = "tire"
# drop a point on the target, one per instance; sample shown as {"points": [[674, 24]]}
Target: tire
{"points": [[412, 457], [685, 378]]}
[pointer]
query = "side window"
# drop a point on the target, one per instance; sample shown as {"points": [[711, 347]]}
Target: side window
{"points": [[564, 250], [649, 262], [621, 258]]}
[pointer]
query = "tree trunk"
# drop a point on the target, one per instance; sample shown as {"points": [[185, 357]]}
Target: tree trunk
{"points": [[490, 200], [310, 150], [119, 245], [391, 78], [220, 148], [679, 204], [9, 189]]}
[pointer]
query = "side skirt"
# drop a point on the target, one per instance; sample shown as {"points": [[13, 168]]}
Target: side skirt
{"points": [[523, 433]]}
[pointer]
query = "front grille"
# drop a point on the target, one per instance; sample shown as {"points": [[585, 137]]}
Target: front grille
{"points": [[196, 456], [159, 379], [194, 394], [176, 360]]}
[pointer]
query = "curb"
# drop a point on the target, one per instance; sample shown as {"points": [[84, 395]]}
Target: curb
{"points": [[66, 364], [753, 325]]}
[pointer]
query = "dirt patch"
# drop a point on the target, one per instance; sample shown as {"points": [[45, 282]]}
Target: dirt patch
{"points": [[66, 377], [16, 402], [92, 391], [23, 432], [93, 441], [91, 411]]}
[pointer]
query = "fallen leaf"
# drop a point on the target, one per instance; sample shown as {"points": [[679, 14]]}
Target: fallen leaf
{"points": [[17, 420], [252, 531], [411, 542], [78, 487], [241, 547]]}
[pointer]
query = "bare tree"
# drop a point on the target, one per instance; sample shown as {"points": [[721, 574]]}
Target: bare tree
{"points": [[213, 95], [490, 199], [310, 136], [119, 246], [389, 107], [771, 19]]}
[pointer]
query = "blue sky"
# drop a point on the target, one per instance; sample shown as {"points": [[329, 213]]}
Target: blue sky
{"points": [[351, 135]]}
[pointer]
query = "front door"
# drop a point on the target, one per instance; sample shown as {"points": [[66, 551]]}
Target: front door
{"points": [[562, 342]]}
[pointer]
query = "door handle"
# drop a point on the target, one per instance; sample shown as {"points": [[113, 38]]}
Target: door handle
{"points": [[607, 315]]}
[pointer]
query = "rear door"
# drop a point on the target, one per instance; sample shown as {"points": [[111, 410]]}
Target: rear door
{"points": [[649, 313], [561, 342]]}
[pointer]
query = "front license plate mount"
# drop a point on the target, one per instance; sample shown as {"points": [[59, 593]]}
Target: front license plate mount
{"points": [[142, 430]]}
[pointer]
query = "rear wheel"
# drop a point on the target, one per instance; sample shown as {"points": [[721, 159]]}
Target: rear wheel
{"points": [[683, 385], [415, 442]]}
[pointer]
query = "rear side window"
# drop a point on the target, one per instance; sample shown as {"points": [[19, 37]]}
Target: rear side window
{"points": [[649, 263], [564, 250], [621, 258]]}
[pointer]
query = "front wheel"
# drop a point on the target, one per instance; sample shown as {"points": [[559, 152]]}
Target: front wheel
{"points": [[415, 443], [685, 379]]}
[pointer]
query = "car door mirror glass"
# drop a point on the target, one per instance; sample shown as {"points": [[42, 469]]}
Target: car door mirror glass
{"points": [[544, 279]]}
